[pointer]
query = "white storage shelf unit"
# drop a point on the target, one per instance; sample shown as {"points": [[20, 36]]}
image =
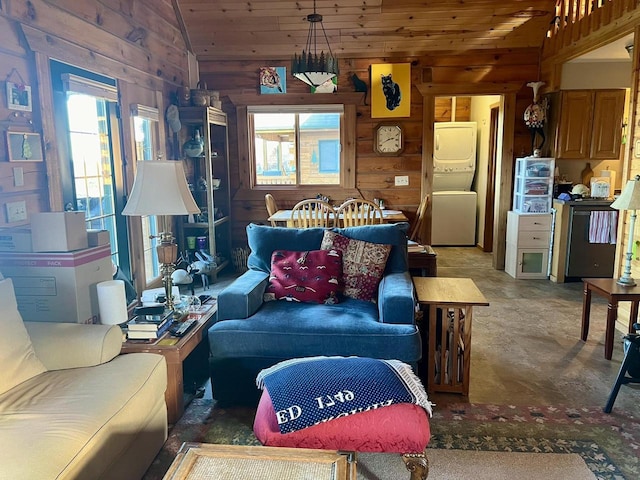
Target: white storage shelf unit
{"points": [[528, 244], [533, 187]]}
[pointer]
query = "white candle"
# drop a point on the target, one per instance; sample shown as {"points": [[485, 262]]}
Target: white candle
{"points": [[112, 302]]}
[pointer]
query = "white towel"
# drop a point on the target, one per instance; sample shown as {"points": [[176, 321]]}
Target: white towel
{"points": [[602, 226]]}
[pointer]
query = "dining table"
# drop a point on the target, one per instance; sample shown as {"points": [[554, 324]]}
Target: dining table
{"points": [[283, 217]]}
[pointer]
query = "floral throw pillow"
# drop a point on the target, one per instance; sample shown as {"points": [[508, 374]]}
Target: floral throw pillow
{"points": [[362, 264], [314, 276]]}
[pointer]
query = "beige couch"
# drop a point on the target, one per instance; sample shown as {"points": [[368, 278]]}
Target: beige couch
{"points": [[71, 407]]}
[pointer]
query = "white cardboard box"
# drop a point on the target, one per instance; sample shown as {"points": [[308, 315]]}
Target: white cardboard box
{"points": [[58, 231], [98, 237], [15, 240], [58, 287]]}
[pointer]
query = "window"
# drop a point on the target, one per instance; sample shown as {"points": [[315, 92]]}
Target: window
{"points": [[145, 125], [86, 107], [297, 145]]}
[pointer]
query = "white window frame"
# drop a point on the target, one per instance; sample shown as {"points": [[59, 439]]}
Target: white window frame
{"points": [[347, 143], [149, 223]]}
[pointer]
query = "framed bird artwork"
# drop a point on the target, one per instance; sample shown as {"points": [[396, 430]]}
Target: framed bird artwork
{"points": [[273, 80]]}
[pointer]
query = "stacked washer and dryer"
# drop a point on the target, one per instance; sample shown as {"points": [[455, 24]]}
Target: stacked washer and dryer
{"points": [[454, 205]]}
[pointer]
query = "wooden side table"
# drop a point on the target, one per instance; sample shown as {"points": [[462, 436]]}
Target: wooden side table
{"points": [[449, 302], [614, 293], [175, 354]]}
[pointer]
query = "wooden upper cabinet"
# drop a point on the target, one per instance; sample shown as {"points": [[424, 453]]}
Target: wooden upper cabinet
{"points": [[574, 130], [606, 137], [590, 124]]}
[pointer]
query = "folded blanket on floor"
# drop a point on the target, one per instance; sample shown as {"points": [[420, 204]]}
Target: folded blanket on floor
{"points": [[307, 391]]}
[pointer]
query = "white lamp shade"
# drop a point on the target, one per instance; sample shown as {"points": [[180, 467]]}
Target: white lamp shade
{"points": [[629, 199], [160, 188], [314, 79]]}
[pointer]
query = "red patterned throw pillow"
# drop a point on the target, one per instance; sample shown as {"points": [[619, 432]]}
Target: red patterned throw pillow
{"points": [[362, 264], [314, 276]]}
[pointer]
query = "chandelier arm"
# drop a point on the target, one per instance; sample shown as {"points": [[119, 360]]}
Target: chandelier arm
{"points": [[326, 39], [310, 36], [315, 38]]}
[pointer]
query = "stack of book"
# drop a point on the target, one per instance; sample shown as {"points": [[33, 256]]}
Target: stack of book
{"points": [[148, 327], [414, 247]]}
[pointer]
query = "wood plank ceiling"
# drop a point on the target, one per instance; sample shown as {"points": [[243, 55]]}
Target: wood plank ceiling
{"points": [[270, 29]]}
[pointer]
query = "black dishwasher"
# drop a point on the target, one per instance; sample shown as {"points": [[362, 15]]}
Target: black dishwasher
{"points": [[586, 259]]}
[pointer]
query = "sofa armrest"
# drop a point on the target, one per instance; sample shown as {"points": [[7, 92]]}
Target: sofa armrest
{"points": [[72, 345], [396, 299], [243, 297]]}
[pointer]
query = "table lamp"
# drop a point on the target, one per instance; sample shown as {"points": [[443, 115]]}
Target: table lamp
{"points": [[160, 188], [629, 199]]}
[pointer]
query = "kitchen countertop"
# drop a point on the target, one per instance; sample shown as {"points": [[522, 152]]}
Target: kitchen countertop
{"points": [[585, 201]]}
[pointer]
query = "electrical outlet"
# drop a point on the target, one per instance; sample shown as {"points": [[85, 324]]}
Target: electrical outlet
{"points": [[16, 211], [402, 181]]}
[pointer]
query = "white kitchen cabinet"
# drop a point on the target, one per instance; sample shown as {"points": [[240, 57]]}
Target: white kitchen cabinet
{"points": [[528, 244]]}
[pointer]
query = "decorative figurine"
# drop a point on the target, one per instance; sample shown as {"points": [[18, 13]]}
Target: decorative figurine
{"points": [[535, 116], [195, 146]]}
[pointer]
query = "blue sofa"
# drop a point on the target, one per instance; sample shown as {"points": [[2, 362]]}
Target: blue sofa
{"points": [[250, 334]]}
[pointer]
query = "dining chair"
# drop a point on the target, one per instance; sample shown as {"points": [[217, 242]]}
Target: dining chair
{"points": [[420, 217], [357, 212], [312, 213], [272, 207]]}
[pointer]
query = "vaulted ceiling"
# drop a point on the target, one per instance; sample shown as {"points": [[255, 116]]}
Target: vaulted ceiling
{"points": [[272, 29]]}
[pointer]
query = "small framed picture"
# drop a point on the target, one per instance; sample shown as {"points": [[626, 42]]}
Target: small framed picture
{"points": [[391, 90], [18, 97], [24, 147], [273, 80]]}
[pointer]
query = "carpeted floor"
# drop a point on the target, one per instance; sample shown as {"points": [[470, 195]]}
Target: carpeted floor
{"points": [[479, 465], [608, 444]]}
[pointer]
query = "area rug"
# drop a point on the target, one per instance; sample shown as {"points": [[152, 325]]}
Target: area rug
{"points": [[476, 465], [609, 445]]}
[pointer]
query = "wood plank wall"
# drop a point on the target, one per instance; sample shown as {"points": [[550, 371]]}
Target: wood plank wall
{"points": [[16, 66], [139, 43], [631, 169], [374, 174], [575, 34]]}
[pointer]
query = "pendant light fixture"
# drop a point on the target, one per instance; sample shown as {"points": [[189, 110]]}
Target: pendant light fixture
{"points": [[311, 68]]}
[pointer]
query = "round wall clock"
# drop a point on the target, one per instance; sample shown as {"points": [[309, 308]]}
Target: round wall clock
{"points": [[388, 139]]}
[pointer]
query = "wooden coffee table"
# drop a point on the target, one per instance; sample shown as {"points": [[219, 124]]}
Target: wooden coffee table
{"points": [[175, 351], [202, 461]]}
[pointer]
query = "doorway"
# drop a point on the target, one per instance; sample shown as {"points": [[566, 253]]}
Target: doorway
{"points": [[475, 174], [491, 179], [503, 178]]}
